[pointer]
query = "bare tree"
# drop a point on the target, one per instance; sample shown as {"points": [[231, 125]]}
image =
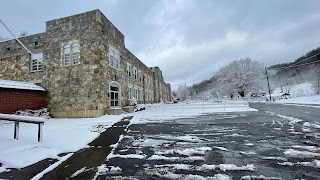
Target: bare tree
{"points": [[24, 33]]}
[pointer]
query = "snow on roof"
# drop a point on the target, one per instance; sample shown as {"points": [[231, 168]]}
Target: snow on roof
{"points": [[20, 85]]}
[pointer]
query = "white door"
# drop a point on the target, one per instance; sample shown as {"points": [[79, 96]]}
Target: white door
{"points": [[114, 96]]}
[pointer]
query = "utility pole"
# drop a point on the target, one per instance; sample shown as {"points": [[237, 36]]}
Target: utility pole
{"points": [[268, 83]]}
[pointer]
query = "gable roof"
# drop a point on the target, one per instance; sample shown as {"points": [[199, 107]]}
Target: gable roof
{"points": [[20, 85]]}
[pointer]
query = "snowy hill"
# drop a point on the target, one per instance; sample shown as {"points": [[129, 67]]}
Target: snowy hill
{"points": [[299, 90], [302, 93]]}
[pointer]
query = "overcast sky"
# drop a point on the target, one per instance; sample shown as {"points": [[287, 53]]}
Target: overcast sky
{"points": [[189, 39]]}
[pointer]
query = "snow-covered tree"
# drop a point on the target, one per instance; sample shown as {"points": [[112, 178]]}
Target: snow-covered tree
{"points": [[241, 76], [183, 92], [316, 80]]}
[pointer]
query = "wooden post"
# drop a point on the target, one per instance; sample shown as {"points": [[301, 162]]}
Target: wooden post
{"points": [[16, 130], [40, 131]]}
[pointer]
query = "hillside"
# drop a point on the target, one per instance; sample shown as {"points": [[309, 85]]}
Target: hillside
{"points": [[305, 69], [300, 67]]}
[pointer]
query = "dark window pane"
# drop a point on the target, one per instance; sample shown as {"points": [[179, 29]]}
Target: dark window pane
{"points": [[112, 95], [116, 95], [113, 88], [112, 103], [116, 103]]}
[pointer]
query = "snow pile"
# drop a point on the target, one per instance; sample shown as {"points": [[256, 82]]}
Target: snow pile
{"points": [[226, 167], [314, 163], [126, 156], [170, 175], [307, 124], [186, 152], [149, 142], [292, 120], [175, 166], [44, 113], [301, 154], [261, 177], [183, 159], [59, 136], [275, 158]]}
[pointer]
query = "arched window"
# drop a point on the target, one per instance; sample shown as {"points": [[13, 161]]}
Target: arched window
{"points": [[71, 54], [75, 53], [66, 55]]}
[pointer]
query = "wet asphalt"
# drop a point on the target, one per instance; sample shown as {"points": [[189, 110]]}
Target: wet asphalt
{"points": [[248, 138]]}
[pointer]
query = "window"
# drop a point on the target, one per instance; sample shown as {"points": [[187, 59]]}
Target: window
{"points": [[36, 62], [66, 51], [135, 71], [141, 94], [129, 92], [75, 53], [114, 58], [129, 69], [140, 76], [136, 93], [145, 79], [150, 81], [71, 54]]}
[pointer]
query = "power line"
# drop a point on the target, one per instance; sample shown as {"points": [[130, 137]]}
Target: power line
{"points": [[15, 37], [300, 64], [293, 65]]}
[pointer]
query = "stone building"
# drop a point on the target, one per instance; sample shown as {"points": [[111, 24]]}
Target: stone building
{"points": [[82, 62]]}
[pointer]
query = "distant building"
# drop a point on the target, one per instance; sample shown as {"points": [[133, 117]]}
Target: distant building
{"points": [[82, 62]]}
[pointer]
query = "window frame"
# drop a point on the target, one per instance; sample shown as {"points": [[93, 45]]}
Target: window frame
{"points": [[114, 58], [129, 92], [38, 62], [129, 70], [135, 93], [74, 50], [135, 73]]}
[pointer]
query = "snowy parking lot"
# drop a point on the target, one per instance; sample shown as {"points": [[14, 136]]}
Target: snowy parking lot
{"points": [[194, 140], [243, 145]]}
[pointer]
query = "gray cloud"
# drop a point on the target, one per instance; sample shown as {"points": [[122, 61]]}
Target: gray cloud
{"points": [[190, 40]]}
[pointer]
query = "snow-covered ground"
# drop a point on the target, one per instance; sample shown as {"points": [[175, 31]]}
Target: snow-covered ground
{"points": [[59, 136], [71, 135], [300, 94], [158, 113]]}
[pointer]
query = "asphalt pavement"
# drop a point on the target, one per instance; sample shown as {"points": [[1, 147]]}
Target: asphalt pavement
{"points": [[278, 141]]}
